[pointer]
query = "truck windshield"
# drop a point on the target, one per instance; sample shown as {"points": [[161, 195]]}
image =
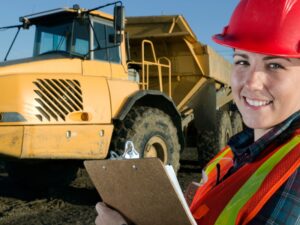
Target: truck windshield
{"points": [[70, 37]]}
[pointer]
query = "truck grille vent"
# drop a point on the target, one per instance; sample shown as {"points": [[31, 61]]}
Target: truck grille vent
{"points": [[57, 98]]}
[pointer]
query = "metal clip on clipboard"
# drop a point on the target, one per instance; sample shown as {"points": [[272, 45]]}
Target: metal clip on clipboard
{"points": [[129, 152]]}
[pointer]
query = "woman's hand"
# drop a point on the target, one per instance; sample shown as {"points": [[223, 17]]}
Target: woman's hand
{"points": [[108, 216]]}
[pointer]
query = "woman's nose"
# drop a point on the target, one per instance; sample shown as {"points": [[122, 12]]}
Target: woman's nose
{"points": [[254, 80]]}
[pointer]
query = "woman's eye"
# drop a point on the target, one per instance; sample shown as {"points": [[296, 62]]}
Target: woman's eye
{"points": [[241, 62], [275, 66]]}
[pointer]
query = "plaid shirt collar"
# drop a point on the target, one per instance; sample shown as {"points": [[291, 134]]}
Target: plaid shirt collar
{"points": [[246, 150]]}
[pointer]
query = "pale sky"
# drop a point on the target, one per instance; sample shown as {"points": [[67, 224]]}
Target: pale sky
{"points": [[205, 17]]}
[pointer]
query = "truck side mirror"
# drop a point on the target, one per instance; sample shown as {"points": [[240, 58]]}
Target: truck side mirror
{"points": [[119, 23]]}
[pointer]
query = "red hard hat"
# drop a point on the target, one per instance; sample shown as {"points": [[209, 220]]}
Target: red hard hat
{"points": [[270, 27]]}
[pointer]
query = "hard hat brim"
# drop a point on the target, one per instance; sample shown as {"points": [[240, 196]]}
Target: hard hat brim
{"points": [[252, 46]]}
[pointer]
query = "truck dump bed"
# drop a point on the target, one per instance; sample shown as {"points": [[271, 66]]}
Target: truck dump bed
{"points": [[192, 63]]}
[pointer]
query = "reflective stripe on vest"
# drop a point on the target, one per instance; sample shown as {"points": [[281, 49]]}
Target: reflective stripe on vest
{"points": [[226, 153], [211, 172], [253, 193]]}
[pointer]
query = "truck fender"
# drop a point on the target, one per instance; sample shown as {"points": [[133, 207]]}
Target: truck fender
{"points": [[155, 99]]}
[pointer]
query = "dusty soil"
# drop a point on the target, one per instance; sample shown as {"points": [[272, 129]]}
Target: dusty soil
{"points": [[70, 205]]}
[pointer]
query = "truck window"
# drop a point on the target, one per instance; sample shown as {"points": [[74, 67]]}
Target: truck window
{"points": [[107, 50], [57, 37], [81, 37], [114, 52], [52, 38]]}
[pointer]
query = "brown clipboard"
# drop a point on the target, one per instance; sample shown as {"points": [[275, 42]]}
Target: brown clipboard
{"points": [[138, 188]]}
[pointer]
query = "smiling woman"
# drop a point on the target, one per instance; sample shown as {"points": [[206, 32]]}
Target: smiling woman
{"points": [[261, 85]]}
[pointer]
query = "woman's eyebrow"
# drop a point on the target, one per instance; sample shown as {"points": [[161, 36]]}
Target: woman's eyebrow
{"points": [[241, 55], [276, 57]]}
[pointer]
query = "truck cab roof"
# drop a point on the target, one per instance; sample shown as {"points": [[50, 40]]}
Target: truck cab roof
{"points": [[60, 14]]}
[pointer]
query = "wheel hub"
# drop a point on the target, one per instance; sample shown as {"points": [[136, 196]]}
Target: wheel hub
{"points": [[156, 147]]}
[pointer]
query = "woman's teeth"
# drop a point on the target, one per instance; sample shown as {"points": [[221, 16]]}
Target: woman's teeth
{"points": [[257, 102]]}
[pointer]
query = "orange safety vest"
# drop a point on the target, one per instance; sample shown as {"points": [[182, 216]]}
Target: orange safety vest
{"points": [[238, 199]]}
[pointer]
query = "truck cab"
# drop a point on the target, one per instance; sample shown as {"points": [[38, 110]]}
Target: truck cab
{"points": [[75, 33]]}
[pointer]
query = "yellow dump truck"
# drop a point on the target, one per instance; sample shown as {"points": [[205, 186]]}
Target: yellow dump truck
{"points": [[96, 80]]}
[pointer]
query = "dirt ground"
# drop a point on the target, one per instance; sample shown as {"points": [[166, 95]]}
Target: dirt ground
{"points": [[70, 205]]}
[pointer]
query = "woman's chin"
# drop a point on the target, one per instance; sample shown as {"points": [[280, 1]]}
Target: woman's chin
{"points": [[257, 124]]}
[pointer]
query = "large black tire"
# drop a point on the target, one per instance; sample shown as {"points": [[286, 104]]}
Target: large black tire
{"points": [[224, 129], [42, 174], [237, 122], [209, 143], [152, 133], [206, 147]]}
